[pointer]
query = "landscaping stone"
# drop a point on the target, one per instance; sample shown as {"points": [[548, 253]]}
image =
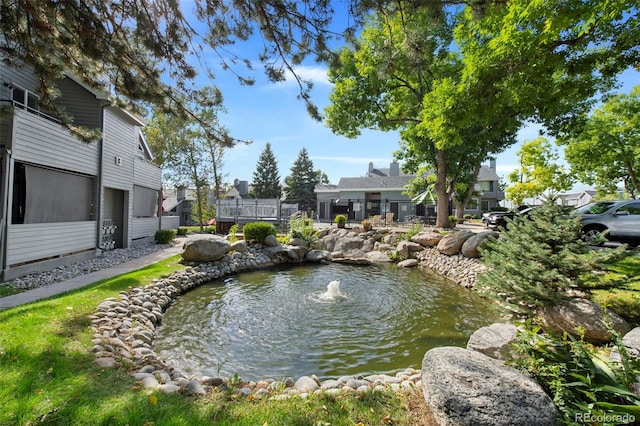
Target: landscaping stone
{"points": [[205, 248], [464, 387], [578, 316], [452, 243], [316, 256], [408, 263], [406, 247], [427, 239], [271, 241], [239, 246], [494, 340], [471, 247], [306, 384], [378, 257]]}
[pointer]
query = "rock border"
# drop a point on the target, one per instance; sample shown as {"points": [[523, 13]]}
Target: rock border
{"points": [[124, 327]]}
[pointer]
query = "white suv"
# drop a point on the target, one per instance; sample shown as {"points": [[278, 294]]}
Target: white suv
{"points": [[619, 219]]}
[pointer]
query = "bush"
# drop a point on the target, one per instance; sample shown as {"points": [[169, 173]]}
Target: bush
{"points": [[469, 216], [165, 236], [340, 219], [258, 231], [538, 258], [182, 230], [453, 220], [366, 225]]}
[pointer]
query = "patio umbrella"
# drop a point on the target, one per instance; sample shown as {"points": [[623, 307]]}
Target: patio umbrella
{"points": [[425, 198]]}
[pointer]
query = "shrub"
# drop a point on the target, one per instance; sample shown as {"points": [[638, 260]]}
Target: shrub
{"points": [[232, 233], [538, 258], [453, 220], [258, 231], [366, 225], [469, 216], [165, 236], [182, 230], [340, 219]]}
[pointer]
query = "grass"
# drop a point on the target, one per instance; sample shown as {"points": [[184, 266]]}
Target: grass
{"points": [[47, 377], [621, 289]]}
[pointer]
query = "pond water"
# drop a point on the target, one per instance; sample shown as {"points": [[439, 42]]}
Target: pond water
{"points": [[290, 322]]}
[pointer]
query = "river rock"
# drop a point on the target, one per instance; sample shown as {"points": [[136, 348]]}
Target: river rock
{"points": [[464, 387], [408, 263], [494, 340], [205, 248], [452, 243], [316, 256], [240, 246], [306, 384], [378, 257], [577, 316], [427, 239], [271, 241], [471, 247]]}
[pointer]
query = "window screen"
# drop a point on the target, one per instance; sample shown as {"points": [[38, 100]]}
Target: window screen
{"points": [[44, 195], [145, 202]]}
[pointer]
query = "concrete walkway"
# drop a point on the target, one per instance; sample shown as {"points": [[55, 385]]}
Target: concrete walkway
{"points": [[84, 280]]}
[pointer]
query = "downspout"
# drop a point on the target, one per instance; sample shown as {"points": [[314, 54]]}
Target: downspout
{"points": [[100, 199]]}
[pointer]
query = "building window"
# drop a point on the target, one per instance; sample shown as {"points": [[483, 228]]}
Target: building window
{"points": [[486, 185], [24, 98], [484, 205], [472, 205], [145, 202], [42, 195]]}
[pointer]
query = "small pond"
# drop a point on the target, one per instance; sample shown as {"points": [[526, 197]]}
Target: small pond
{"points": [[290, 322]]}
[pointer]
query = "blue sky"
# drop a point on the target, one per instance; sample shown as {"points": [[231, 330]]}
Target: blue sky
{"points": [[268, 112]]}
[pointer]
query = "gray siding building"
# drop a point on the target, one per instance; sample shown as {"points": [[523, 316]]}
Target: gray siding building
{"points": [[380, 193], [62, 199]]}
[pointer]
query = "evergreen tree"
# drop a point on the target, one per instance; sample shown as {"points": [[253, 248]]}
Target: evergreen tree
{"points": [[301, 183], [266, 177], [538, 258]]}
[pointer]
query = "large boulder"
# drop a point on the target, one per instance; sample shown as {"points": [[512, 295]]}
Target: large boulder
{"points": [[204, 248], [494, 340], [328, 242], [471, 247], [427, 239], [452, 243], [348, 243], [464, 387], [583, 317]]}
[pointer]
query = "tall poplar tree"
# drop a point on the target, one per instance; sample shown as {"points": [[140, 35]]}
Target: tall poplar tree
{"points": [[266, 177], [300, 184]]}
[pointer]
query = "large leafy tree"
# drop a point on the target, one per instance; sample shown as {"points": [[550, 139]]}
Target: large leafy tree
{"points": [[539, 172], [266, 177], [300, 184], [403, 73], [606, 151]]}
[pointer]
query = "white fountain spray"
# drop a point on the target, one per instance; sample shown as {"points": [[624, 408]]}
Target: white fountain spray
{"points": [[333, 291]]}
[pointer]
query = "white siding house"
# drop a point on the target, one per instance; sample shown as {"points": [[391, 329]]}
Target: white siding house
{"points": [[62, 199]]}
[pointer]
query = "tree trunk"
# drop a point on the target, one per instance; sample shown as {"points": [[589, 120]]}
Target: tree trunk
{"points": [[442, 213]]}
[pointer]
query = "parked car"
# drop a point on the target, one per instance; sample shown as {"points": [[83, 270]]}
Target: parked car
{"points": [[611, 220], [499, 219]]}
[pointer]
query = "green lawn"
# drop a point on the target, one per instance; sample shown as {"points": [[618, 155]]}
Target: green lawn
{"points": [[47, 376], [621, 292]]}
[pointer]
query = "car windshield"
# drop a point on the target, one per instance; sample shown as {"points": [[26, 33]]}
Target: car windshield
{"points": [[595, 208]]}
